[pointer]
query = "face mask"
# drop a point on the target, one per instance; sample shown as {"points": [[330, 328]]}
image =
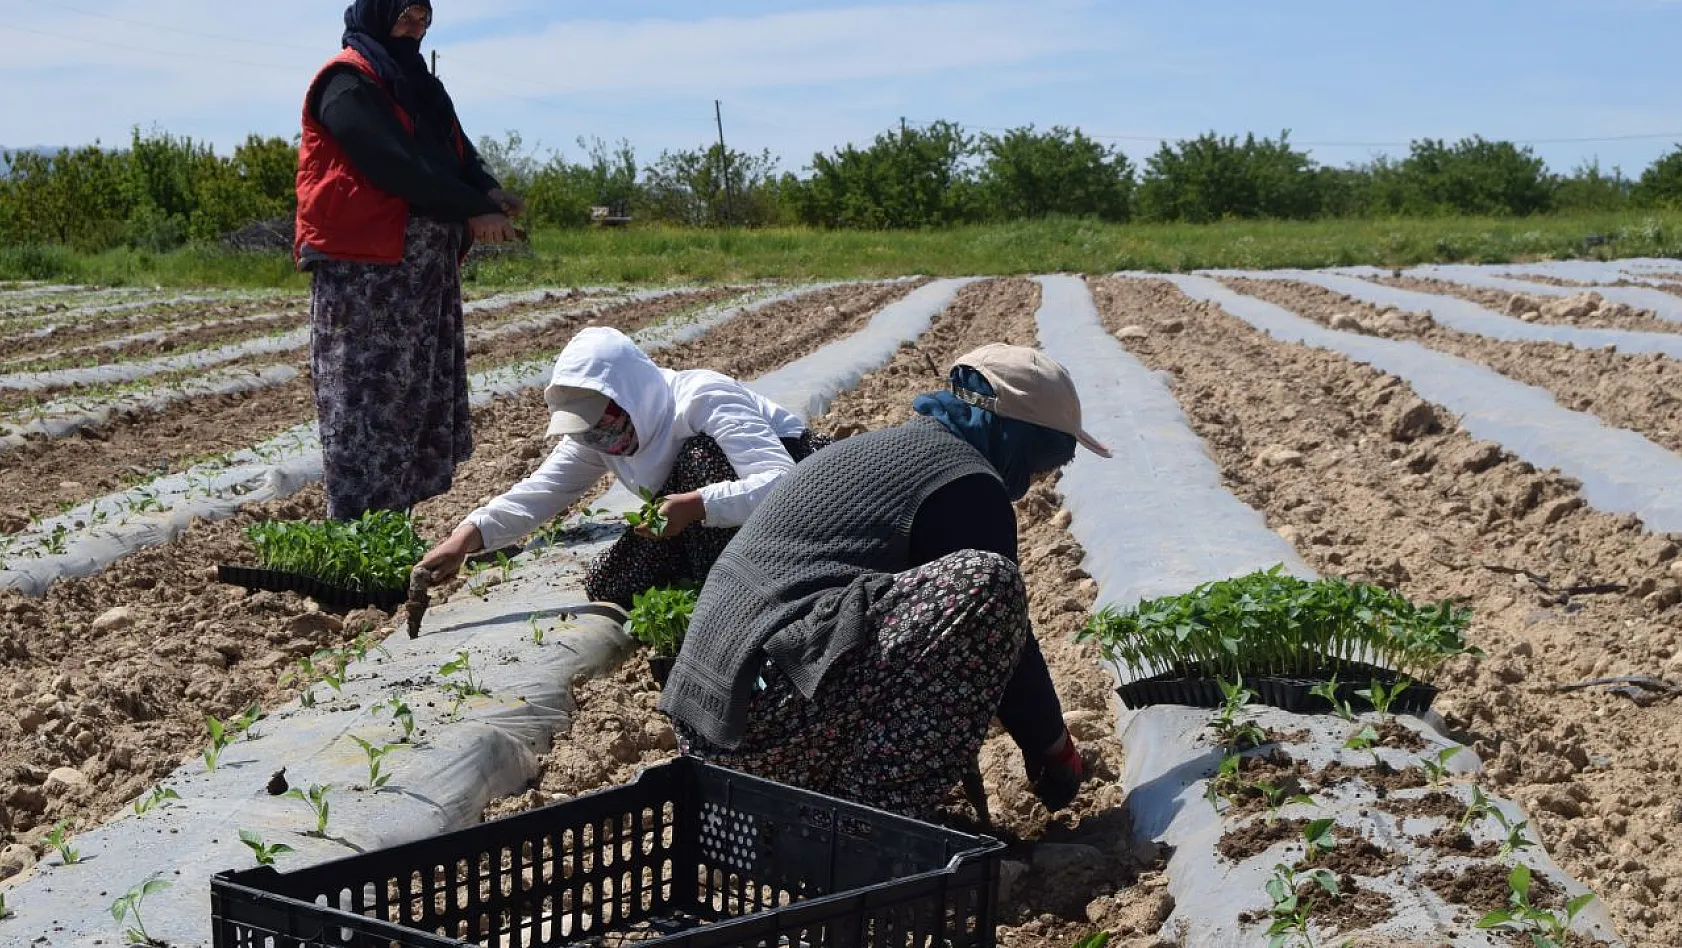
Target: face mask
{"points": [[613, 434]]}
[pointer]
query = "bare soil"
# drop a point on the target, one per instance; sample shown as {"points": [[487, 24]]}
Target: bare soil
{"points": [[1596, 772], [1642, 393], [1608, 316], [173, 645]]}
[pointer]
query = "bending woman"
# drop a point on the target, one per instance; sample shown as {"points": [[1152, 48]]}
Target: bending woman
{"points": [[866, 625], [707, 443]]}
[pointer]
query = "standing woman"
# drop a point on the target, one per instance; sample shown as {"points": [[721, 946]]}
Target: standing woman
{"points": [[390, 196]]}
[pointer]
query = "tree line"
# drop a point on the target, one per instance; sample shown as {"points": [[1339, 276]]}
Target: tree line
{"points": [[163, 191]]}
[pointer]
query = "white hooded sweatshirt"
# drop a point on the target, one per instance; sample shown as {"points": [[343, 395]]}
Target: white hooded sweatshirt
{"points": [[667, 408]]}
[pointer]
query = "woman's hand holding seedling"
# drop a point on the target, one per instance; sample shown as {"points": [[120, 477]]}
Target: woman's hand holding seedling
{"points": [[661, 518], [680, 512]]}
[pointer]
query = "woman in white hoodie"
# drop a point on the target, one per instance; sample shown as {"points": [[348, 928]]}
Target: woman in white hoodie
{"points": [[704, 442]]}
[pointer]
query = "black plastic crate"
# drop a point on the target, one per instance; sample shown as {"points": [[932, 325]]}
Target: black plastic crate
{"points": [[686, 855]]}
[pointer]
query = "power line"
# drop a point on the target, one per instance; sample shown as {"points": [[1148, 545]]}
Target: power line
{"points": [[1316, 144], [197, 57]]}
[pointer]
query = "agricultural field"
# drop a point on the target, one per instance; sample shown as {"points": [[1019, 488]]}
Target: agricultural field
{"points": [[1503, 438]]}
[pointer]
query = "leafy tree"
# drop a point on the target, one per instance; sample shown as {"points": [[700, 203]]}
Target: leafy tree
{"points": [[688, 187], [1030, 175], [910, 178], [1472, 176], [1212, 177], [1661, 183]]}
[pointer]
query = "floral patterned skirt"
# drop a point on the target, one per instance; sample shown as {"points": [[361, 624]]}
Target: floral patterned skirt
{"points": [[896, 722], [389, 362], [634, 564]]}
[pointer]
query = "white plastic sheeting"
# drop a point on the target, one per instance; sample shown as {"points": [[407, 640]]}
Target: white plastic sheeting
{"points": [[1169, 760], [1664, 305], [1621, 471], [289, 341], [1455, 313], [90, 537], [1161, 471], [1155, 521]]}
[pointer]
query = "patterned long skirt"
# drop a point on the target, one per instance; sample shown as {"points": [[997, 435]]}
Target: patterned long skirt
{"points": [[896, 722], [634, 564], [389, 362]]}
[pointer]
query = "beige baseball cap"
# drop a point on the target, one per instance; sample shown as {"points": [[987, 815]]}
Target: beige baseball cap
{"points": [[1030, 387], [572, 410]]}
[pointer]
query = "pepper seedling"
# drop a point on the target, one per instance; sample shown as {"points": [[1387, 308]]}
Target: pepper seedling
{"points": [[1479, 808], [1329, 691], [1232, 725], [1226, 782], [264, 852], [159, 794], [1546, 929], [1318, 837], [402, 714], [59, 839], [317, 801], [1290, 910], [1436, 768], [1382, 698], [376, 756], [659, 618], [1094, 940], [1277, 800], [129, 904], [649, 516]]}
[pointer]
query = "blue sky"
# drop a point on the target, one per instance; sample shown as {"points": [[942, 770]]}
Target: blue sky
{"points": [[802, 77]]}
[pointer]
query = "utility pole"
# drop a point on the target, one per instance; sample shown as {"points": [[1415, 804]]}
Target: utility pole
{"points": [[902, 128], [435, 62], [724, 159]]}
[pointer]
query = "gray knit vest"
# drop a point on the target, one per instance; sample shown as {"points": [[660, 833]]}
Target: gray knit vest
{"points": [[795, 584]]}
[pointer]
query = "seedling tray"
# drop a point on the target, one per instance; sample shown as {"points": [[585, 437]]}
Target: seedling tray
{"points": [[660, 666], [687, 854], [1288, 694], [337, 597]]}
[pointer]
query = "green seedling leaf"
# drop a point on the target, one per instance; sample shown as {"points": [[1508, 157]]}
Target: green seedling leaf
{"points": [[659, 618], [158, 795], [1094, 940], [128, 904], [1318, 837], [59, 839], [264, 852], [1271, 623]]}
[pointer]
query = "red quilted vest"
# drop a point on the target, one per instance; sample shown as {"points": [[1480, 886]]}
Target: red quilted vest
{"points": [[341, 214]]}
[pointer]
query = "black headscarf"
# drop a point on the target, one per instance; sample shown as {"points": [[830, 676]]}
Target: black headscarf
{"points": [[1017, 449], [398, 60]]}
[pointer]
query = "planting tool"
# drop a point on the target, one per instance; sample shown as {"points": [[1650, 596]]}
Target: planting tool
{"points": [[1642, 689], [421, 582]]}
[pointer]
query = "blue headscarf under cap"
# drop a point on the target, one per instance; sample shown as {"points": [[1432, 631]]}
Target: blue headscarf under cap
{"points": [[1017, 449]]}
